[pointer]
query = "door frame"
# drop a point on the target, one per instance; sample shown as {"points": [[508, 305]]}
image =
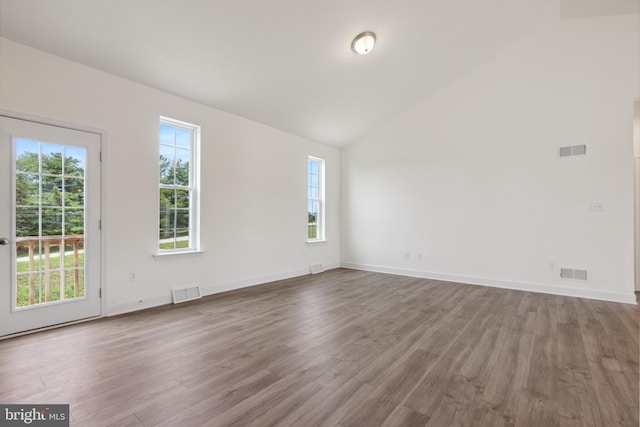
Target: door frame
{"points": [[636, 191], [103, 221]]}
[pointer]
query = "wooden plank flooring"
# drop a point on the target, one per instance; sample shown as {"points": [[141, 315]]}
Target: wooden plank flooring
{"points": [[342, 348]]}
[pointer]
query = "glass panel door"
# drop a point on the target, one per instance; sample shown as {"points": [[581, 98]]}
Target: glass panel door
{"points": [[49, 215], [55, 243]]}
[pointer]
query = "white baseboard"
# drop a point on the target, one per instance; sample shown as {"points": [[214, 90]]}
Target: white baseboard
{"points": [[130, 306], [498, 283], [245, 283]]}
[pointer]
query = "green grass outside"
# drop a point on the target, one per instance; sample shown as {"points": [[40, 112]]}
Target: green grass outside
{"points": [[180, 244], [312, 231], [54, 263], [54, 279]]}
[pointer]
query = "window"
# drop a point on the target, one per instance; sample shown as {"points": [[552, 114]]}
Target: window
{"points": [[315, 192], [178, 178]]}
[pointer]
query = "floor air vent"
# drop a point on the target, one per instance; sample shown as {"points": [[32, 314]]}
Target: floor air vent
{"points": [[316, 268], [186, 294], [570, 273]]}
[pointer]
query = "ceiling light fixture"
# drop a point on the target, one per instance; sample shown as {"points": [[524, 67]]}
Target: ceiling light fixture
{"points": [[363, 43]]}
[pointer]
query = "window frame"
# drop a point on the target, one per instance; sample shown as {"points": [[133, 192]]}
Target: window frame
{"points": [[320, 219], [193, 188]]}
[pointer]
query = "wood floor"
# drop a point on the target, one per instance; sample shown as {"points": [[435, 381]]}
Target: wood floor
{"points": [[342, 348]]}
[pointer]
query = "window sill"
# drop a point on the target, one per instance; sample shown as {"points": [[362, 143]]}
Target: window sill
{"points": [[165, 254], [317, 241]]}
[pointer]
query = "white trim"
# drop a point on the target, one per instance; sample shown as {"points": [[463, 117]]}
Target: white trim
{"points": [[636, 190], [103, 289], [320, 220], [49, 122], [245, 283], [131, 306], [103, 185], [193, 187], [40, 305], [46, 328], [14, 256], [177, 252], [498, 283], [103, 220]]}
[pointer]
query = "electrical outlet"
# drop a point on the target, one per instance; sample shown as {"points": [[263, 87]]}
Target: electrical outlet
{"points": [[406, 255], [552, 266], [133, 277], [419, 256]]}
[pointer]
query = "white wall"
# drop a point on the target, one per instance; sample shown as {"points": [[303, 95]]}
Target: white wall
{"points": [[469, 178], [253, 202]]}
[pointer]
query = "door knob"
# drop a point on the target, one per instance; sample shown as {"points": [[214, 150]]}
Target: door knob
{"points": [[4, 241]]}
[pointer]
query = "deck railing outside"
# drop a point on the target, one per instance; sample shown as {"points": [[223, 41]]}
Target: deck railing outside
{"points": [[39, 249]]}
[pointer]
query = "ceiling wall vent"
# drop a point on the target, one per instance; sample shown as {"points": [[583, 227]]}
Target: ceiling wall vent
{"points": [[186, 294], [572, 150]]}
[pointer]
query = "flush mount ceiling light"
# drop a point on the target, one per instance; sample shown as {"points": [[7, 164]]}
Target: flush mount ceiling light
{"points": [[363, 43]]}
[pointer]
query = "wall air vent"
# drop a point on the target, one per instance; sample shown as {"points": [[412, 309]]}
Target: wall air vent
{"points": [[573, 274], [572, 150], [186, 294], [316, 268]]}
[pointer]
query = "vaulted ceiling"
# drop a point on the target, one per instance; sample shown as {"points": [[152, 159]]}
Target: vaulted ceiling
{"points": [[288, 63]]}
